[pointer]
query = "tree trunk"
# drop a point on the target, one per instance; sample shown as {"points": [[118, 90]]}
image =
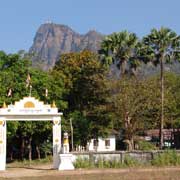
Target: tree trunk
{"points": [[72, 138], [129, 144], [129, 140], [30, 149], [123, 67], [38, 152], [45, 155], [11, 152], [22, 147], [162, 105]]}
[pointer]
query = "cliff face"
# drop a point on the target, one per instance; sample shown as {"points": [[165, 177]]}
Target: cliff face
{"points": [[51, 40]]}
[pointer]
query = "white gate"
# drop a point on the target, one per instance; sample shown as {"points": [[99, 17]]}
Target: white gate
{"points": [[30, 109]]}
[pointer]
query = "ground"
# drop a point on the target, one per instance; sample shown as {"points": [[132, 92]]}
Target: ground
{"points": [[45, 172]]}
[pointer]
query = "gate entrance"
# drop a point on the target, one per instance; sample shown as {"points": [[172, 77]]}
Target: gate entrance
{"points": [[30, 109]]}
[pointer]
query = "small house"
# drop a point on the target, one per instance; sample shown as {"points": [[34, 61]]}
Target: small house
{"points": [[102, 144]]}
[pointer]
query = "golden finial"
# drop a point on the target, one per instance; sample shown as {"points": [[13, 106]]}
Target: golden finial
{"points": [[53, 105], [4, 105]]}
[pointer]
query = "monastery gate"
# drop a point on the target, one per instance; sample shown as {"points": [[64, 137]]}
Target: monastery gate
{"points": [[30, 109]]}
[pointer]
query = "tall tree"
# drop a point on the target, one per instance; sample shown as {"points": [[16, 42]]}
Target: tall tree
{"points": [[120, 48], [13, 73], [86, 82], [163, 46], [131, 106]]}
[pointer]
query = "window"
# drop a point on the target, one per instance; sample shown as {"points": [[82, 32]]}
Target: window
{"points": [[107, 143], [95, 143]]}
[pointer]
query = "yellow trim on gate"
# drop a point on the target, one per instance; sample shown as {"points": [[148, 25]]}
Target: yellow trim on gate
{"points": [[29, 104]]}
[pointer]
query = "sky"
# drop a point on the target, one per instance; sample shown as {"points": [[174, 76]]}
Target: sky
{"points": [[20, 19]]}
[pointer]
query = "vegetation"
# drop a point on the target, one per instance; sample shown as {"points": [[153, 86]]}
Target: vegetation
{"points": [[167, 158], [146, 146], [163, 46], [120, 48], [104, 163], [97, 102], [87, 94]]}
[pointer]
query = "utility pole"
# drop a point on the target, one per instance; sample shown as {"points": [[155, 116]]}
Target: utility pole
{"points": [[72, 145]]}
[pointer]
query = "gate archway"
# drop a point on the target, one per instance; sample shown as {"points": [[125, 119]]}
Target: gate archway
{"points": [[30, 109]]}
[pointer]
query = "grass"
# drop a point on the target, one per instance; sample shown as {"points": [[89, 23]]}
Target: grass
{"points": [[134, 174], [102, 169], [26, 163], [103, 163], [167, 158]]}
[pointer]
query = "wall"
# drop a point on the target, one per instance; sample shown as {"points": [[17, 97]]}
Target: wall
{"points": [[143, 156]]}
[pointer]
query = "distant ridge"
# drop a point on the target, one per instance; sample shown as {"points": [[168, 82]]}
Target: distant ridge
{"points": [[52, 39]]}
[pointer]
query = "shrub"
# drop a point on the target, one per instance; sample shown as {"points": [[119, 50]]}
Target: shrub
{"points": [[103, 163], [167, 158], [146, 146], [82, 163], [115, 164], [100, 163], [46, 148], [130, 161]]}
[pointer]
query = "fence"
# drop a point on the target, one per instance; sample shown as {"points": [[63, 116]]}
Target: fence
{"points": [[142, 156]]}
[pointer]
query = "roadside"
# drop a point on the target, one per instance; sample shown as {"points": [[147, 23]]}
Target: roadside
{"points": [[45, 172]]}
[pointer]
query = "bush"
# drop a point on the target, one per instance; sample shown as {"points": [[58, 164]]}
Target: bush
{"points": [[167, 158], [115, 164], [82, 163], [103, 163], [46, 148], [130, 161], [146, 146], [100, 163]]}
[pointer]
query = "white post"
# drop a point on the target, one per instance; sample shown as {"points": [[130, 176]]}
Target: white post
{"points": [[2, 144], [56, 141], [66, 158]]}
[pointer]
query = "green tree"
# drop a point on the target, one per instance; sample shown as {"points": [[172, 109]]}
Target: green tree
{"points": [[57, 89], [120, 48], [130, 104], [172, 93], [13, 75], [86, 91], [163, 46], [12, 127], [80, 128]]}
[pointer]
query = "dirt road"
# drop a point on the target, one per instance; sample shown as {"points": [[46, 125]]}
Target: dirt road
{"points": [[45, 172]]}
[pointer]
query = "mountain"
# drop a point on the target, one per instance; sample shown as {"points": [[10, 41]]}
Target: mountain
{"points": [[51, 40]]}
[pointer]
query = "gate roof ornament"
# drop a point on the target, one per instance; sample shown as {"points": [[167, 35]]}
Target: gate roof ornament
{"points": [[29, 108]]}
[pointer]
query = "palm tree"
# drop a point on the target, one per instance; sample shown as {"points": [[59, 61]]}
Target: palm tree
{"points": [[162, 45], [119, 48]]}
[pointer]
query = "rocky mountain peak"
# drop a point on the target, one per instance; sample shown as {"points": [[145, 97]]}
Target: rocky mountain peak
{"points": [[51, 40]]}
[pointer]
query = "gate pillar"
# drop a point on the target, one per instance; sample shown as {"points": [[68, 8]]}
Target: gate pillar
{"points": [[56, 141], [2, 144]]}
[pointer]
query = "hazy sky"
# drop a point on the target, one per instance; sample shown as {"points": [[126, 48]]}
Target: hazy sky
{"points": [[20, 19]]}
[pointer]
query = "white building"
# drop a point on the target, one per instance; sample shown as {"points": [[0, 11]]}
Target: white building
{"points": [[102, 144]]}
